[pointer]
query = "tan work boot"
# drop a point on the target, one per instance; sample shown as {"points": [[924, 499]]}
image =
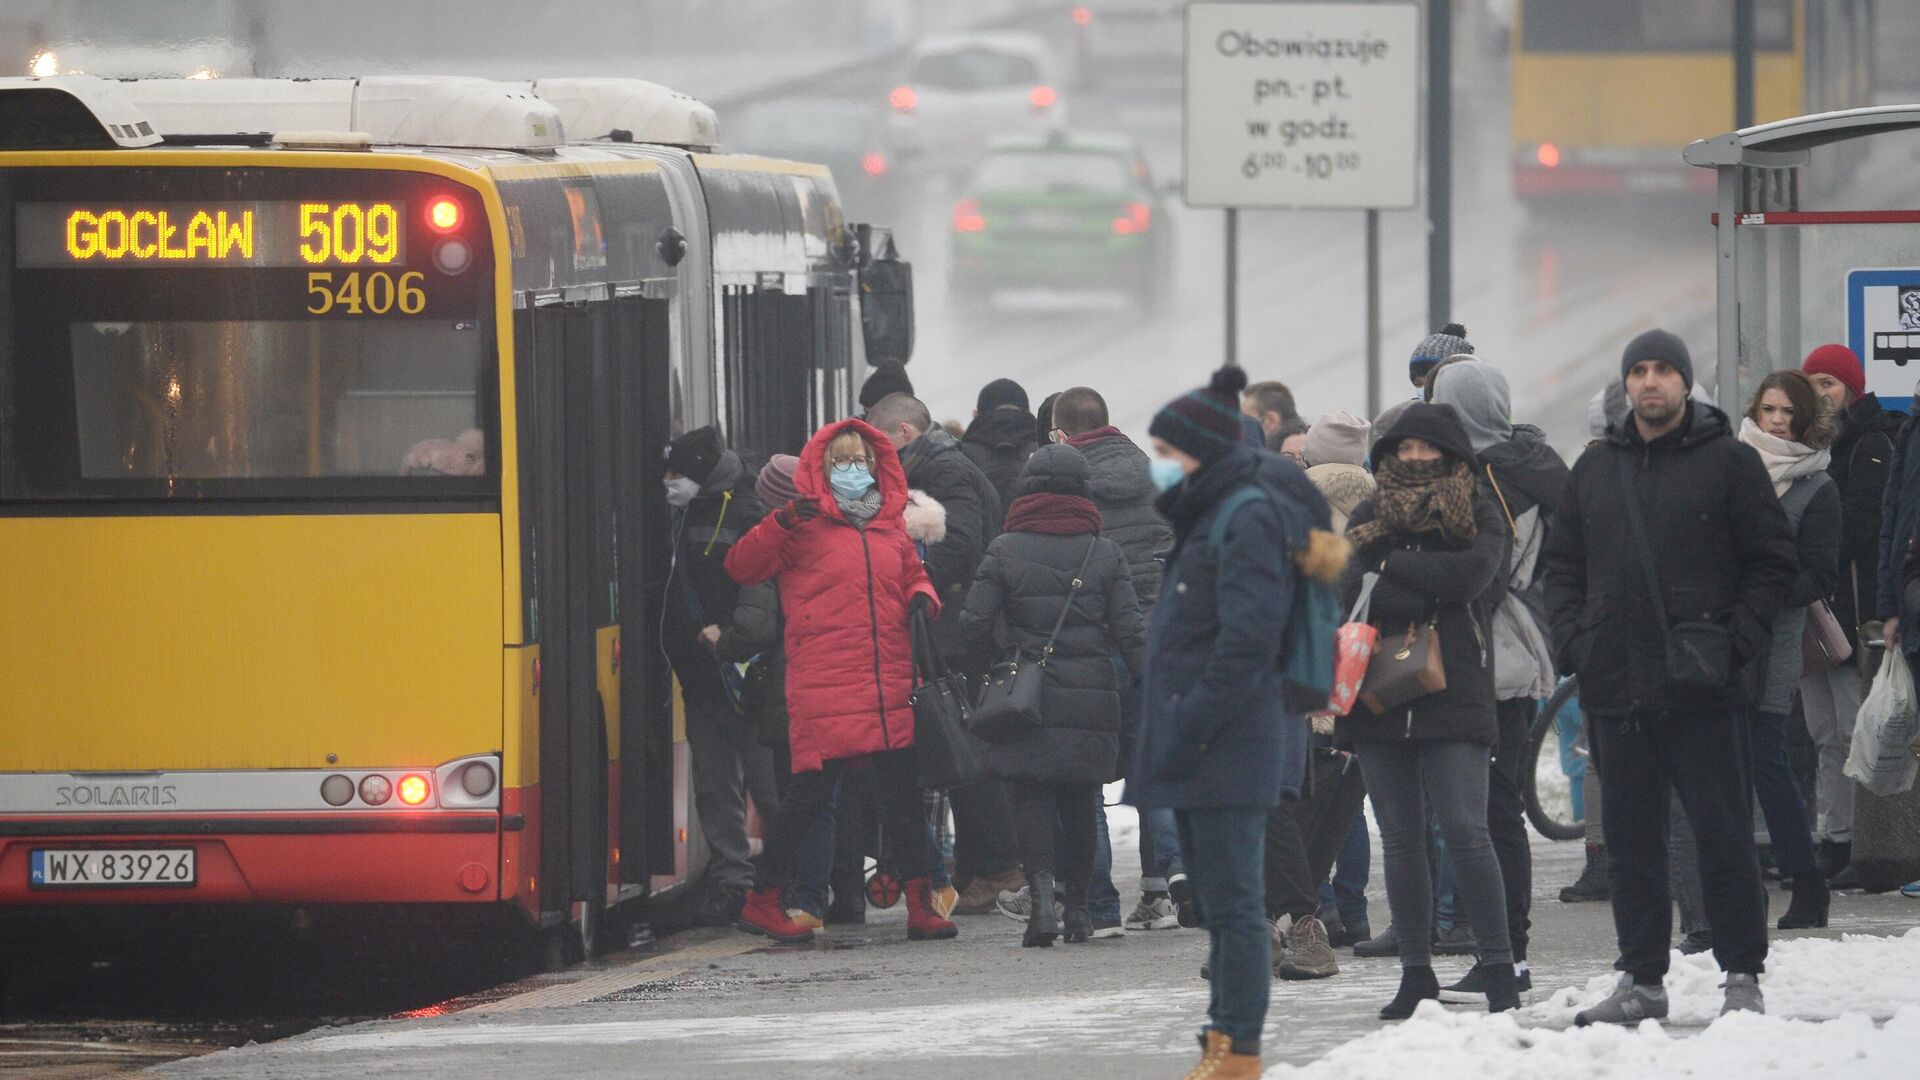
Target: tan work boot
{"points": [[1220, 1061], [981, 893], [1309, 952]]}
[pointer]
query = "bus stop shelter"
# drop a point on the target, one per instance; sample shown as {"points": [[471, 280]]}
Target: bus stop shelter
{"points": [[1791, 275]]}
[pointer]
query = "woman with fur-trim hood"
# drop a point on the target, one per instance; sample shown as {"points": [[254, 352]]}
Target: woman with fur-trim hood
{"points": [[1791, 426]]}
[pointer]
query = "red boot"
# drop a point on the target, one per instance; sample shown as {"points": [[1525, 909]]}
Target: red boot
{"points": [[764, 914], [924, 922]]}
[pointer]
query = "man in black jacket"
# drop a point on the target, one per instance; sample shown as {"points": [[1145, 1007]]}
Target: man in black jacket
{"points": [[1661, 678], [986, 859], [711, 493], [1001, 438]]}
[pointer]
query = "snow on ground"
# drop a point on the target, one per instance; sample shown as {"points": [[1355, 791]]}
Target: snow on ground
{"points": [[1848, 1008]]}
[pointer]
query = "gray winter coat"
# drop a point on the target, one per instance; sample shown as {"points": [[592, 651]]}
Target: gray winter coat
{"points": [[1122, 489], [1812, 504]]}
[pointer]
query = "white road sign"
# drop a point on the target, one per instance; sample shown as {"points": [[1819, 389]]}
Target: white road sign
{"points": [[1303, 105]]}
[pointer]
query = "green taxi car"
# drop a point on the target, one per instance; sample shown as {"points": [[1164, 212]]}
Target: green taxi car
{"points": [[1063, 211]]}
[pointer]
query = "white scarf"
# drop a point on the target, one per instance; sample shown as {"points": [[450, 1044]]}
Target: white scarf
{"points": [[1786, 460]]}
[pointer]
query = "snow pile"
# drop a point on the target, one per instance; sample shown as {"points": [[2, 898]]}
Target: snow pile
{"points": [[1848, 1008]]}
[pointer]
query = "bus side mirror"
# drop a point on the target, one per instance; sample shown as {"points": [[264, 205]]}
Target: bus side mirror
{"points": [[886, 297]]}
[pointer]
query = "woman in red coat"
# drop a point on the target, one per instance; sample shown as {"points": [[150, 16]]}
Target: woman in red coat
{"points": [[849, 578]]}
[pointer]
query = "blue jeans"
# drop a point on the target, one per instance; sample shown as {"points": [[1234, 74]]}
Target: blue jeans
{"points": [[808, 890], [1103, 900], [1347, 892], [1159, 849], [1226, 852], [1788, 825]]}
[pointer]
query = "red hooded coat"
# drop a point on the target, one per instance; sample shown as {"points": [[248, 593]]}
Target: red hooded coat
{"points": [[844, 593]]}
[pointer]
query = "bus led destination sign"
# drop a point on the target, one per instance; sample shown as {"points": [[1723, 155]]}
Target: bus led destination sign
{"points": [[177, 234]]}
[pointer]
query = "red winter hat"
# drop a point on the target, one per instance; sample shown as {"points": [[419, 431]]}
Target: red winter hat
{"points": [[1839, 362]]}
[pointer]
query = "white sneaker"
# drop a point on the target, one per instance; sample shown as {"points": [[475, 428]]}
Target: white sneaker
{"points": [[1016, 904], [1155, 914]]}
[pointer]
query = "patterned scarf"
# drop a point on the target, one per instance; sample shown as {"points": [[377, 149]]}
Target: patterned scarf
{"points": [[1417, 497]]}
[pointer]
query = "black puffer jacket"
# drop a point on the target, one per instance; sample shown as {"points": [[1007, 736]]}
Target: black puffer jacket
{"points": [[936, 465], [1016, 599], [1722, 551], [1428, 577], [1000, 441], [1121, 487], [700, 593], [755, 635], [1862, 456]]}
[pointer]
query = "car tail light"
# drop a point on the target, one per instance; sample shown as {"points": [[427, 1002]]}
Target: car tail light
{"points": [[1082, 15], [414, 789], [903, 98], [375, 790], [1138, 219], [1548, 155], [1042, 97], [477, 779], [875, 164], [967, 216], [443, 214]]}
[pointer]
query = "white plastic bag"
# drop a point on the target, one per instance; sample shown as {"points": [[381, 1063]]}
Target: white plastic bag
{"points": [[1889, 722]]}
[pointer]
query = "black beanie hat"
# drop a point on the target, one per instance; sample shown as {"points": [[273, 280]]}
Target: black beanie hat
{"points": [[1055, 468], [1205, 423], [696, 454], [1043, 418], [889, 377], [1001, 392], [1662, 346]]}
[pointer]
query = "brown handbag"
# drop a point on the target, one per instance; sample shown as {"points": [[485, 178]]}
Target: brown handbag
{"points": [[1405, 669]]}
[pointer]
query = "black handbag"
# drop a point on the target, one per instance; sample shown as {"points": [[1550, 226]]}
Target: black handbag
{"points": [[1699, 651], [1009, 704], [949, 757]]}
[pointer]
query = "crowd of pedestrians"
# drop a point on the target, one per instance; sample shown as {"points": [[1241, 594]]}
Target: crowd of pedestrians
{"points": [[1154, 618]]}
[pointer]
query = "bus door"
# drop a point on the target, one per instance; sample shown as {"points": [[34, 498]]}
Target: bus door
{"points": [[567, 522]]}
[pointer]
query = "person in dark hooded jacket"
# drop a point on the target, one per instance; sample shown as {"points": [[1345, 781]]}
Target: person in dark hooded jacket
{"points": [[1001, 437], [1722, 555], [1830, 700], [1433, 541], [1527, 479], [712, 497], [1053, 560]]}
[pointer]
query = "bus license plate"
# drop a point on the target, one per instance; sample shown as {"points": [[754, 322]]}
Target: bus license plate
{"points": [[88, 868]]}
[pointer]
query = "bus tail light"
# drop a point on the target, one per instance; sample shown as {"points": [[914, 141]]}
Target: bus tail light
{"points": [[337, 790], [477, 779], [414, 789], [375, 789], [443, 214], [1138, 219], [967, 217], [1548, 155]]}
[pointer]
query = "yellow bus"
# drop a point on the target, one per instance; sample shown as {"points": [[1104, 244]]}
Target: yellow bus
{"points": [[1606, 92], [330, 502]]}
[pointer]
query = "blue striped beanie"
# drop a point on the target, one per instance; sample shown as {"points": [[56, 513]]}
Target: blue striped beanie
{"points": [[1205, 422]]}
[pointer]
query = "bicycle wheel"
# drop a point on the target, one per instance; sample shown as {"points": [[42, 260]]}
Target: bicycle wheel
{"points": [[1547, 787]]}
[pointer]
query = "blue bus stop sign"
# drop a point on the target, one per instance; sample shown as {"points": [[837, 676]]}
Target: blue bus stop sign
{"points": [[1883, 330]]}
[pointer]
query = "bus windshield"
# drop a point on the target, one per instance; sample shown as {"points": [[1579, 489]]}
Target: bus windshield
{"points": [[248, 334], [1649, 26]]}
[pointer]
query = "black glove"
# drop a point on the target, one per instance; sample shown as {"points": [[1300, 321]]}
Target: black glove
{"points": [[791, 515], [921, 604]]}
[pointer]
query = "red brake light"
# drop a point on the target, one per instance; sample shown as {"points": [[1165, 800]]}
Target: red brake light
{"points": [[1082, 15], [443, 214], [413, 789], [1139, 218], [1548, 155], [903, 98], [875, 164], [1042, 97], [967, 216]]}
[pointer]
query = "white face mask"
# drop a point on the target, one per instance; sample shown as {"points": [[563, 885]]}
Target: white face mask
{"points": [[680, 491]]}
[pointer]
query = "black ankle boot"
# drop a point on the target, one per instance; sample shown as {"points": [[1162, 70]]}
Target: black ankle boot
{"points": [[1811, 899], [1417, 984], [1043, 924], [1503, 987], [1076, 926]]}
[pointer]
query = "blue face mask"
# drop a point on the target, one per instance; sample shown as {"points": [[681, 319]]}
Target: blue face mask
{"points": [[850, 482], [1167, 473]]}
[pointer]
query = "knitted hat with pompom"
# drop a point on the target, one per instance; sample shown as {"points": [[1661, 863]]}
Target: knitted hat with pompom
{"points": [[1204, 423]]}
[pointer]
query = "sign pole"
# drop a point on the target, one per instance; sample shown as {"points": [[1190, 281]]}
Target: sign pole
{"points": [[1233, 286], [1373, 314], [1439, 162]]}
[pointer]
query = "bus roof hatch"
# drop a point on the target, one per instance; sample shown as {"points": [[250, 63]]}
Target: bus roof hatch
{"points": [[70, 112], [645, 112]]}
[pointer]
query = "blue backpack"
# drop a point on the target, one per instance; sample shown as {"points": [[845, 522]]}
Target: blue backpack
{"points": [[1313, 625]]}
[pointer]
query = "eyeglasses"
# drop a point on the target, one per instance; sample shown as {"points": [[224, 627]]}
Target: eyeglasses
{"points": [[844, 462]]}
